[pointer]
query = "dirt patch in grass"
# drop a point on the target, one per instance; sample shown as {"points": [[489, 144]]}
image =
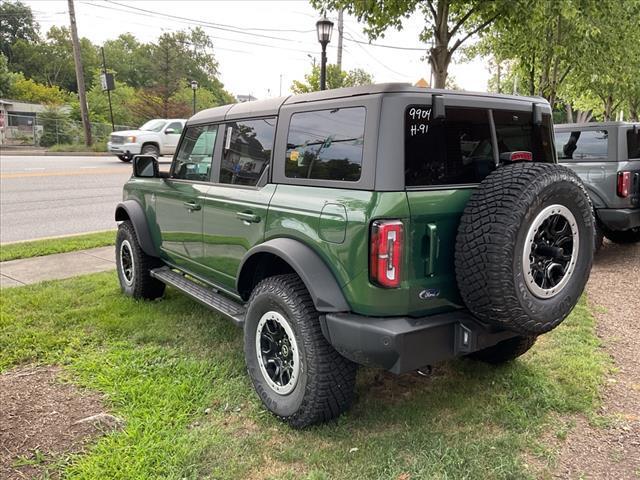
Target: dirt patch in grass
{"points": [[39, 418], [612, 450]]}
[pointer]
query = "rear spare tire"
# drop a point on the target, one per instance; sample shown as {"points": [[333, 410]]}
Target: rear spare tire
{"points": [[525, 246]]}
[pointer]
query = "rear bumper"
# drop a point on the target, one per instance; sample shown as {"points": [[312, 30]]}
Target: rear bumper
{"points": [[402, 344], [619, 218]]}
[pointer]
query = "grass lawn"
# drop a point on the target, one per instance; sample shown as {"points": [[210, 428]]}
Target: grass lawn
{"points": [[37, 248], [161, 364]]}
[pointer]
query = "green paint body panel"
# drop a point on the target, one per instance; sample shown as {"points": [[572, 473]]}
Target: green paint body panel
{"points": [[212, 241]]}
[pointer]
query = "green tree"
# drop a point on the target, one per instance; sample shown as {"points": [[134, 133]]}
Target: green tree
{"points": [[336, 78], [448, 23], [545, 41], [123, 99], [130, 60], [51, 61], [16, 23], [6, 78], [57, 127], [28, 90]]}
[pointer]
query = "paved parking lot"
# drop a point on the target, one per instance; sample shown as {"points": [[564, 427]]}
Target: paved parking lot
{"points": [[49, 196]]}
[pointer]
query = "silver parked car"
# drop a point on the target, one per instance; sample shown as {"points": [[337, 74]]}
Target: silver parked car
{"points": [[606, 156]]}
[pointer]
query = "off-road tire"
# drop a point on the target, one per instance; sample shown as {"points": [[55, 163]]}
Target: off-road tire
{"points": [[125, 158], [490, 245], [326, 383], [505, 351], [623, 236], [150, 149], [141, 284]]}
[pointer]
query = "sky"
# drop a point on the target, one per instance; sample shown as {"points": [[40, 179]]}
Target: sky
{"points": [[261, 46]]}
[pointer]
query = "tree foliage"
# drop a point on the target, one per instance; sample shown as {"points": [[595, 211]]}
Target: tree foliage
{"points": [[336, 78], [16, 23], [449, 24]]}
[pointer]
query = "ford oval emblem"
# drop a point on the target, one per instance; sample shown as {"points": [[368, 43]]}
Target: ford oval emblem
{"points": [[428, 293]]}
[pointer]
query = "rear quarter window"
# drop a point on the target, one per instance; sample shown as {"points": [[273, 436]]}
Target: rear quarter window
{"points": [[582, 145], [633, 144], [326, 144]]}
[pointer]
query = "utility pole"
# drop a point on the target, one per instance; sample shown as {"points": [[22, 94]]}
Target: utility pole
{"points": [[104, 71], [82, 94], [340, 34]]}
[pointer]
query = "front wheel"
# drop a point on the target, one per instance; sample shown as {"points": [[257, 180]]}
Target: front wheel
{"points": [[297, 374], [150, 149], [124, 158], [134, 266]]}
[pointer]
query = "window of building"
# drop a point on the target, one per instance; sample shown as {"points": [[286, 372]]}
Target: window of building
{"points": [[247, 151], [583, 145], [326, 144], [193, 161]]}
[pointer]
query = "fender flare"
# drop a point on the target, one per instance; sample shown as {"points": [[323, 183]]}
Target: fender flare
{"points": [[322, 285], [597, 199], [132, 210]]}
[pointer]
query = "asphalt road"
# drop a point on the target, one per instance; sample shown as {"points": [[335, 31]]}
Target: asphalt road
{"points": [[50, 196]]}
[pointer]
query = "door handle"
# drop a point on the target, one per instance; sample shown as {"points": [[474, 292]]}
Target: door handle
{"points": [[248, 217], [192, 206], [432, 236]]}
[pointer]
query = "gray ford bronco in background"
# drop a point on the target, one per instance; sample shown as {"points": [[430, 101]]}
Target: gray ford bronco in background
{"points": [[606, 156], [384, 225]]}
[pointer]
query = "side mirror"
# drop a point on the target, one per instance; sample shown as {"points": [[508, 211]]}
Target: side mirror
{"points": [[169, 131], [146, 166]]}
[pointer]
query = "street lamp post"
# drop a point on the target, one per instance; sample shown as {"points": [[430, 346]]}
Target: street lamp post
{"points": [[194, 87], [324, 27]]}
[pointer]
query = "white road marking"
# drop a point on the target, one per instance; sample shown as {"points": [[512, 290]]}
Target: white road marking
{"points": [[87, 167], [33, 168]]}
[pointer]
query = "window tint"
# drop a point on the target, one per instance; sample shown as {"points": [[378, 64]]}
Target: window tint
{"points": [[458, 149], [582, 145], [326, 144], [176, 126], [455, 151], [247, 151], [193, 161], [633, 143]]}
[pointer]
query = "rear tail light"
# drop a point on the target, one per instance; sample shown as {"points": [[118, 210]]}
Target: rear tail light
{"points": [[386, 253], [624, 184]]}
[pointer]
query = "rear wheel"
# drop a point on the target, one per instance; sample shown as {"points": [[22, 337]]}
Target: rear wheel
{"points": [[623, 236], [525, 247], [297, 374], [505, 351]]}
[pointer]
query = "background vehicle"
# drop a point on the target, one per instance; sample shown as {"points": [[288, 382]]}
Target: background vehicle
{"points": [[606, 156], [156, 137], [385, 225]]}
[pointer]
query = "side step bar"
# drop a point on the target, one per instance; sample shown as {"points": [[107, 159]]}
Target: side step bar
{"points": [[207, 296]]}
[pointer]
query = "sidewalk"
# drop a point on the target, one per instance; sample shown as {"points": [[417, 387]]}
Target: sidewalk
{"points": [[16, 273]]}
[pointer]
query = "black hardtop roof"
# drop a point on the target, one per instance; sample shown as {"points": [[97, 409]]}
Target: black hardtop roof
{"points": [[569, 126], [271, 106]]}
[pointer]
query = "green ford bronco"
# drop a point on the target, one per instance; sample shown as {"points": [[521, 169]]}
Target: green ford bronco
{"points": [[385, 225]]}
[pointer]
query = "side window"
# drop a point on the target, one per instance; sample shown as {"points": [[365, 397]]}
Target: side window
{"points": [[326, 144], [247, 151], [193, 161], [633, 144], [176, 127], [455, 151], [584, 145]]}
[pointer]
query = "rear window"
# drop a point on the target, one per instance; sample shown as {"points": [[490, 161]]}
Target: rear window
{"points": [[633, 143], [585, 145], [326, 144], [458, 150]]}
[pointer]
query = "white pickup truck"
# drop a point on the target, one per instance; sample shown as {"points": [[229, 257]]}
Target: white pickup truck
{"points": [[156, 137]]}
